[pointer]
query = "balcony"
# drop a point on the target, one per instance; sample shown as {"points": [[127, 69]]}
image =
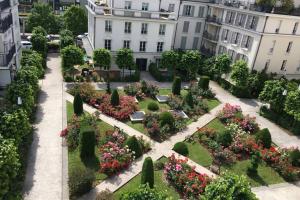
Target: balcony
{"points": [[214, 19], [6, 57], [5, 23], [4, 4], [207, 51], [211, 37]]}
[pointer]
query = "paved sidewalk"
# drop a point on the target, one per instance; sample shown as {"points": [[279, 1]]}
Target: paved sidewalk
{"points": [[44, 171]]}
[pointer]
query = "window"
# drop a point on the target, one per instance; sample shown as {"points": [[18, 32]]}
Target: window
{"points": [[107, 44], [144, 29], [231, 54], [240, 20], [230, 17], [247, 42], [162, 29], [235, 38], [127, 27], [183, 42], [295, 27], [252, 22], [201, 11], [195, 42], [127, 4], [186, 25], [171, 7], [225, 34], [222, 50], [279, 25], [160, 47], [267, 65], [283, 65], [108, 26], [142, 46], [126, 44], [145, 6], [272, 47], [198, 27], [289, 47], [188, 10]]}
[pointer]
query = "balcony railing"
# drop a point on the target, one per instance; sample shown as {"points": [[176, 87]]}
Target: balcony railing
{"points": [[5, 23], [207, 51], [214, 19], [4, 4], [209, 36], [6, 57]]}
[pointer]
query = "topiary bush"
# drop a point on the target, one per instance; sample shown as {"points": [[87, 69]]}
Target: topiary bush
{"points": [[166, 118], [203, 82], [153, 106], [189, 99], [78, 105], [148, 172], [295, 157], [224, 138], [264, 137], [181, 148], [144, 192], [176, 87], [115, 99], [80, 181], [87, 142], [134, 145]]}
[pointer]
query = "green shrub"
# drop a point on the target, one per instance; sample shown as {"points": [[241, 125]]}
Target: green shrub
{"points": [[203, 82], [189, 99], [159, 165], [181, 148], [295, 157], [225, 138], [144, 86], [87, 142], [240, 91], [86, 90], [144, 192], [166, 118], [78, 105], [153, 106], [115, 99], [176, 87], [134, 145], [148, 172], [264, 137], [80, 181], [255, 160]]}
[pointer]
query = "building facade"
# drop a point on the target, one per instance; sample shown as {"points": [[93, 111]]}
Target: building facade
{"points": [[265, 41], [10, 42]]}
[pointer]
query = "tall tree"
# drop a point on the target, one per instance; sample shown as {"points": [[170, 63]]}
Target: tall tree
{"points": [[191, 62], [71, 55], [102, 58], [66, 38], [75, 19], [292, 104], [125, 59], [240, 73], [222, 64], [170, 60]]}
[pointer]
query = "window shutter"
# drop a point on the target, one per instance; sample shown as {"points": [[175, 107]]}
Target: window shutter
{"points": [[184, 10], [192, 11]]}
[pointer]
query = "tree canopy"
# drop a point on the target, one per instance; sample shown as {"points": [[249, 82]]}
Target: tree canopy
{"points": [[191, 62], [125, 59], [170, 60], [292, 104], [222, 64], [102, 58], [75, 20], [71, 55], [240, 73]]}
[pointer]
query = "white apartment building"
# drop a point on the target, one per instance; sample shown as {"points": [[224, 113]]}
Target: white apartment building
{"points": [[264, 40], [10, 44]]}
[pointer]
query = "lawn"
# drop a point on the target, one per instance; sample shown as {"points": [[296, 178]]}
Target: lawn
{"points": [[212, 103], [167, 91], [265, 174], [199, 154], [216, 124], [143, 105], [159, 181]]}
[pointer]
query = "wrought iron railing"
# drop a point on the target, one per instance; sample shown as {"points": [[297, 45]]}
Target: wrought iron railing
{"points": [[5, 23]]}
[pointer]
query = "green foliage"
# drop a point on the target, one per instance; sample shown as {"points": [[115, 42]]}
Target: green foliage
{"points": [[75, 19], [134, 145], [287, 5], [78, 105], [256, 82], [80, 181], [191, 62], [272, 94], [31, 58], [66, 38], [144, 192], [181, 148], [225, 138], [292, 104], [9, 165], [102, 58], [170, 60], [176, 87], [87, 142], [71, 55], [115, 99], [39, 31], [207, 68], [39, 43], [255, 160], [153, 106], [148, 172], [264, 137], [86, 90], [240, 73], [124, 59], [203, 82], [14, 125], [221, 64], [229, 186], [42, 15], [295, 157], [166, 118], [189, 99]]}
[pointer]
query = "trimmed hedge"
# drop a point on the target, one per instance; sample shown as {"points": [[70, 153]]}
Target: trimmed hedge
{"points": [[87, 142], [264, 137], [134, 145], [115, 99], [153, 106], [176, 87], [166, 118], [78, 105], [181, 148], [189, 99], [204, 82], [148, 172]]}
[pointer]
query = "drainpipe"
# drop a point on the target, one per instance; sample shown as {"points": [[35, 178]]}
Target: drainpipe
{"points": [[177, 23]]}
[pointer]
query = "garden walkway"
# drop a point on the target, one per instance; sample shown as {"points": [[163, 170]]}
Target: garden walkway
{"points": [[158, 150], [44, 171]]}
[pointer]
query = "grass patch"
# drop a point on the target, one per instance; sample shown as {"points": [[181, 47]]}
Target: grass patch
{"points": [[137, 126], [143, 105], [199, 154], [216, 124], [265, 174], [159, 181], [167, 91], [212, 103]]}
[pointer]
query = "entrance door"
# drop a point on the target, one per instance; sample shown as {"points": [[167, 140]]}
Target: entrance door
{"points": [[141, 64]]}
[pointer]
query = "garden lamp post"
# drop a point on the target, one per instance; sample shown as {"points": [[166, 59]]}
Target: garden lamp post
{"points": [[19, 101]]}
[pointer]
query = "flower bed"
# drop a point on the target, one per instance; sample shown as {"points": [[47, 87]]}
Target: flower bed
{"points": [[184, 178], [141, 90]]}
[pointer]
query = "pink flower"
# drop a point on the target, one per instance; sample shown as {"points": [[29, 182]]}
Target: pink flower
{"points": [[178, 167]]}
